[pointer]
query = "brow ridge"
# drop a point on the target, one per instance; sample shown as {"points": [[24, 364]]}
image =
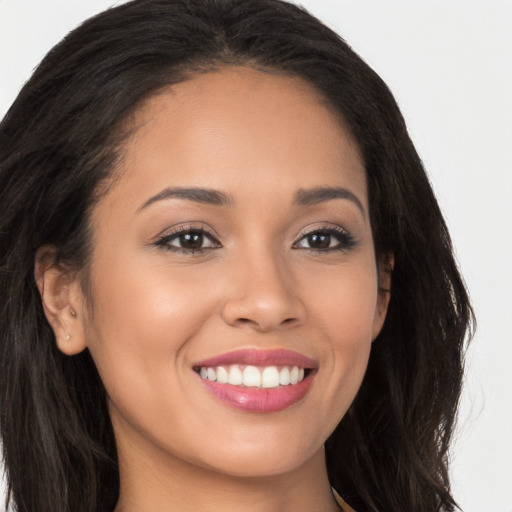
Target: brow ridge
{"points": [[196, 194], [303, 197], [321, 194]]}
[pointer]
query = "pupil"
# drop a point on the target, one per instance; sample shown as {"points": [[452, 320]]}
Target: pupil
{"points": [[319, 241], [192, 240]]}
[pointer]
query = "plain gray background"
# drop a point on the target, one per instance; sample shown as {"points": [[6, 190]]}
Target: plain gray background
{"points": [[449, 64]]}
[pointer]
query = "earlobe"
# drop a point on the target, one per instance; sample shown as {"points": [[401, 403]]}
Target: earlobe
{"points": [[62, 301], [385, 271]]}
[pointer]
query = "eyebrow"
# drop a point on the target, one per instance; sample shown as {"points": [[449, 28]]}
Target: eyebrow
{"points": [[321, 194], [216, 198], [198, 195]]}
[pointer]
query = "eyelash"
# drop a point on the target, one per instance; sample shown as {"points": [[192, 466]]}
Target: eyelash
{"points": [[165, 240], [345, 239]]}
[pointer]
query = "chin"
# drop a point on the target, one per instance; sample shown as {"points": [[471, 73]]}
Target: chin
{"points": [[261, 460]]}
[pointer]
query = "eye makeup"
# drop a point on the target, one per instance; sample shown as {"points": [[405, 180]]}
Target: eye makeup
{"points": [[188, 239], [192, 239], [326, 238]]}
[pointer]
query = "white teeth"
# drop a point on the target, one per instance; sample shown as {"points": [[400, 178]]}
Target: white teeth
{"points": [[270, 377], [284, 376], [222, 375], [235, 375], [253, 376]]}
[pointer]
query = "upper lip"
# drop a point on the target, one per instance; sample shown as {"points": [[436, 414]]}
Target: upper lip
{"points": [[259, 357]]}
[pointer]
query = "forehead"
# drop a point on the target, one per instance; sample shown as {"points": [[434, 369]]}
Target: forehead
{"points": [[239, 124]]}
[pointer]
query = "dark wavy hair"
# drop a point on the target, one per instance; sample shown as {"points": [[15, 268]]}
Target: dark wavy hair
{"points": [[59, 143]]}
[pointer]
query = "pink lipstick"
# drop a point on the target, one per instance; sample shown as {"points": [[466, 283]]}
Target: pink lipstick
{"points": [[258, 380]]}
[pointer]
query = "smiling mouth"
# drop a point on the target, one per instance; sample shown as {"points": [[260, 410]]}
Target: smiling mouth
{"points": [[268, 377], [262, 381]]}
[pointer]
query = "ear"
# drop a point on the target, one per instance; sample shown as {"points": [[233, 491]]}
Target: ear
{"points": [[385, 271], [62, 299]]}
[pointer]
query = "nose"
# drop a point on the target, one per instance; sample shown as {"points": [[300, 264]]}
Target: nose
{"points": [[263, 295]]}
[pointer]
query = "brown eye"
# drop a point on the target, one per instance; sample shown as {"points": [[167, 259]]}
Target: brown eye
{"points": [[192, 240], [319, 240], [326, 239], [188, 241]]}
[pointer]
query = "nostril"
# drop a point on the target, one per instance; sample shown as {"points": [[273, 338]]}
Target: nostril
{"points": [[245, 321], [263, 315]]}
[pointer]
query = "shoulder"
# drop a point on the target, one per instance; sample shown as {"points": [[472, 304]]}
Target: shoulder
{"points": [[344, 506]]}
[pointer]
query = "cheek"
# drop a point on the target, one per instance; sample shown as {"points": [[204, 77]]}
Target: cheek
{"points": [[344, 299], [135, 297], [344, 312], [143, 317]]}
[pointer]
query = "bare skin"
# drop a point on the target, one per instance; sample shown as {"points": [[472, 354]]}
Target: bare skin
{"points": [[268, 272]]}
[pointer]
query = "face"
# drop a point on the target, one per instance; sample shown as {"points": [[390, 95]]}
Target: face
{"points": [[234, 282]]}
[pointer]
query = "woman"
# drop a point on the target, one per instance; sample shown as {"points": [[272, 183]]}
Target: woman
{"points": [[226, 282]]}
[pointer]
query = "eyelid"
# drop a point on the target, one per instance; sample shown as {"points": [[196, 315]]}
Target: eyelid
{"points": [[322, 227], [345, 239], [173, 232], [348, 242], [187, 226]]}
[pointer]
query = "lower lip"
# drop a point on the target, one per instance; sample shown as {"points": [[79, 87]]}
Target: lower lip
{"points": [[259, 399]]}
